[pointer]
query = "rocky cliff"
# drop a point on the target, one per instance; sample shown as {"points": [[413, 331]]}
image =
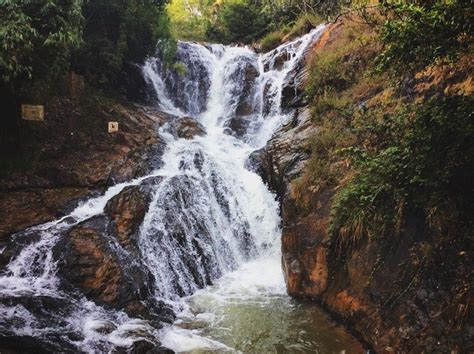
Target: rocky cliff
{"points": [[410, 292], [98, 257], [75, 157]]}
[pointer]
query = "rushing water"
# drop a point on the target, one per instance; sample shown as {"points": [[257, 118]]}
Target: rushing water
{"points": [[210, 238]]}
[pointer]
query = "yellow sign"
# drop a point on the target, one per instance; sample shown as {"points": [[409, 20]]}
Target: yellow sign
{"points": [[113, 127], [32, 112]]}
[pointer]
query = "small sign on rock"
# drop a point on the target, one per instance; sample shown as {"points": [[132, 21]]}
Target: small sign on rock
{"points": [[113, 127], [32, 112]]}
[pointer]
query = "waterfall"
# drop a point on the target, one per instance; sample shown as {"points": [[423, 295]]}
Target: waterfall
{"points": [[208, 215]]}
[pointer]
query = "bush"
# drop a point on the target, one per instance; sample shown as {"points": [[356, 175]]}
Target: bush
{"points": [[37, 37], [117, 33], [425, 165], [418, 34], [180, 68], [271, 40], [238, 22]]}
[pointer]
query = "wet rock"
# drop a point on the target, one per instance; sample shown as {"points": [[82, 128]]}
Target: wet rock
{"points": [[127, 211], [104, 327], [190, 91], [189, 128], [283, 158], [245, 104], [238, 125], [280, 60], [152, 310], [91, 261], [293, 93], [22, 209], [244, 108], [28, 344], [148, 347]]}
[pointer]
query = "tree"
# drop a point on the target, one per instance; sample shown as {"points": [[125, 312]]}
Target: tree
{"points": [[418, 34], [36, 38], [118, 33]]}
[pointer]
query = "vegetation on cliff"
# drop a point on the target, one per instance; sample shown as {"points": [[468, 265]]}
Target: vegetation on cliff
{"points": [[405, 151], [378, 227], [246, 21]]}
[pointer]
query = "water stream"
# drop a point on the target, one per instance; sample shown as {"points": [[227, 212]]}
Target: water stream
{"points": [[211, 236]]}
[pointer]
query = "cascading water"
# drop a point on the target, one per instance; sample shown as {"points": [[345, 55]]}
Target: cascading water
{"points": [[210, 238]]}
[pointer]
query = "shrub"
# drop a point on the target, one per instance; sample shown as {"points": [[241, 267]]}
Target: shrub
{"points": [[118, 33], [271, 40], [239, 22], [426, 163], [37, 37], [417, 34], [180, 68]]}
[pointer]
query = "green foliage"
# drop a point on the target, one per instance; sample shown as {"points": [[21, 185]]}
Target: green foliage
{"points": [[271, 40], [117, 33], [288, 11], [190, 18], [180, 68], [245, 21], [423, 163], [302, 25], [417, 34], [238, 22], [37, 38]]}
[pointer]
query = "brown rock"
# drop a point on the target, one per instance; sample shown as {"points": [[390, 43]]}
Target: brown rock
{"points": [[244, 109], [22, 209], [90, 265], [188, 128], [127, 210]]}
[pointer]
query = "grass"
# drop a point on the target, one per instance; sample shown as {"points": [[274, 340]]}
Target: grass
{"points": [[298, 28], [272, 40]]}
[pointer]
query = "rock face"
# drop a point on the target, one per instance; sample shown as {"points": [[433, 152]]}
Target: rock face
{"points": [[404, 293], [188, 128], [127, 211], [101, 257], [65, 176], [21, 209], [111, 158], [284, 156], [244, 107]]}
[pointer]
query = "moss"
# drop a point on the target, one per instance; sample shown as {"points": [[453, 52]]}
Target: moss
{"points": [[180, 68]]}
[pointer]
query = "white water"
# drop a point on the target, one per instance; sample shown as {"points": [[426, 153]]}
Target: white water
{"points": [[253, 274], [211, 221]]}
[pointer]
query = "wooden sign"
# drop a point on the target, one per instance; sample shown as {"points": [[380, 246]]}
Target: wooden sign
{"points": [[113, 127], [32, 112]]}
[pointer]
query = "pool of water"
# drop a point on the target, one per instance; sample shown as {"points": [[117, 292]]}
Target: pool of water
{"points": [[249, 311]]}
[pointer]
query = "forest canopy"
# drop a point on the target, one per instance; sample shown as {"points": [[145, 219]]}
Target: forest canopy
{"points": [[244, 21], [41, 41]]}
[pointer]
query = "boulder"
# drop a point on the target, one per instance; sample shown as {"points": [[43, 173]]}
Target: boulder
{"points": [[189, 128], [244, 109], [90, 262], [127, 211], [293, 93]]}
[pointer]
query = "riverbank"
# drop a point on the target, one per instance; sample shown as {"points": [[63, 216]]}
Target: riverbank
{"points": [[407, 290]]}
